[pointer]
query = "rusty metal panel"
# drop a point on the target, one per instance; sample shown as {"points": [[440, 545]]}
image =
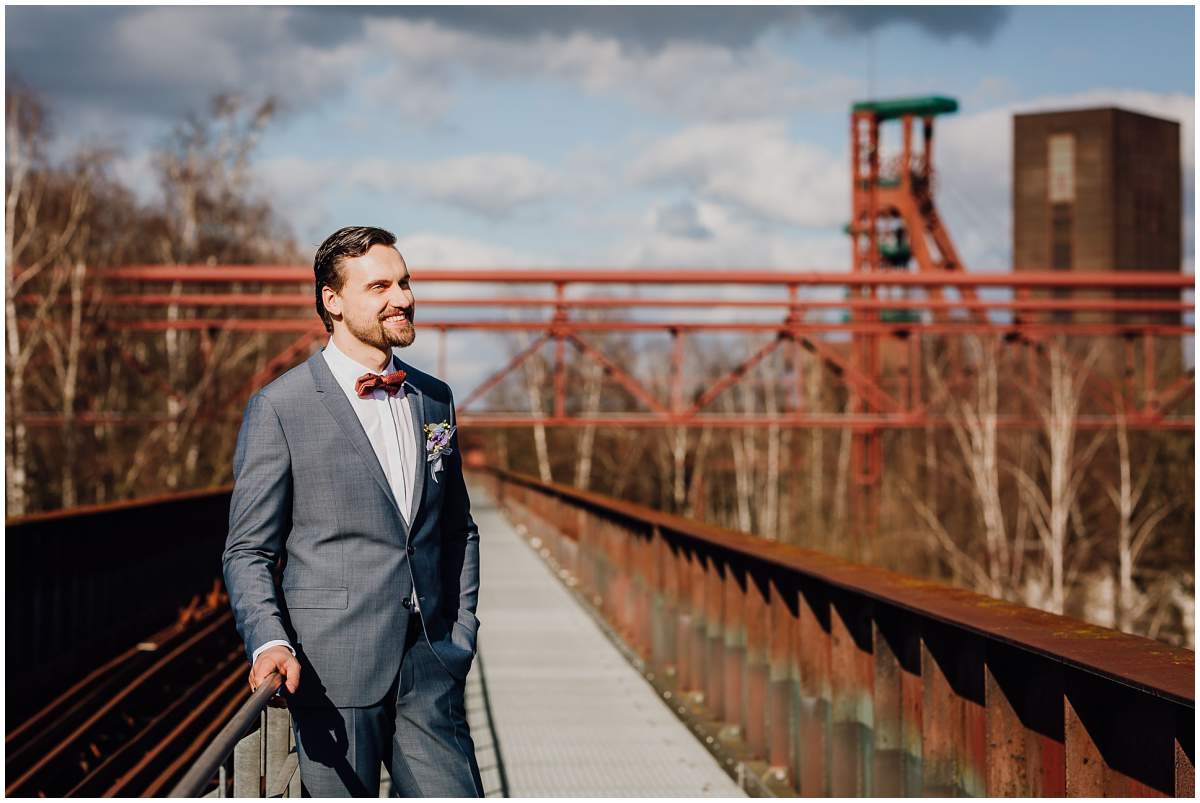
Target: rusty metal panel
{"points": [[585, 559], [757, 612], [686, 563], [852, 691], [897, 682], [698, 635], [734, 638], [954, 726], [1118, 743], [782, 625], [1024, 695], [639, 610], [1185, 752], [814, 659], [666, 605], [714, 636]]}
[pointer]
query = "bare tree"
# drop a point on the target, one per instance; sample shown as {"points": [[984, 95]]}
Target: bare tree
{"points": [[745, 456], [204, 172], [814, 384], [593, 373], [36, 257], [1063, 466], [769, 527], [695, 496], [973, 419], [1137, 524], [535, 382]]}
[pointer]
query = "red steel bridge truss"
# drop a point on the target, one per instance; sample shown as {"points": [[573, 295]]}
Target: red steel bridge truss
{"points": [[683, 315]]}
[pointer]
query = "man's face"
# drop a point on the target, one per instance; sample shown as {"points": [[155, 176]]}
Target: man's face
{"points": [[376, 303]]}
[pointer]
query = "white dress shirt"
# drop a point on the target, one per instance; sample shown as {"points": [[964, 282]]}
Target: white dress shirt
{"points": [[388, 422]]}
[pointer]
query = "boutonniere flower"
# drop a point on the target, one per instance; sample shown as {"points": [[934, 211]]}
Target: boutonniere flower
{"points": [[437, 443]]}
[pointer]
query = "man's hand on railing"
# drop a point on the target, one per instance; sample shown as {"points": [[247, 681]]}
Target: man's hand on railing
{"points": [[276, 659]]}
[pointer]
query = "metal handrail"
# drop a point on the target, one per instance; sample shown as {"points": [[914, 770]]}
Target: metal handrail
{"points": [[827, 678], [1151, 666], [222, 746]]}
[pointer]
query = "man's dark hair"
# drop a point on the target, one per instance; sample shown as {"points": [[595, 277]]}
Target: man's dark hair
{"points": [[345, 243]]}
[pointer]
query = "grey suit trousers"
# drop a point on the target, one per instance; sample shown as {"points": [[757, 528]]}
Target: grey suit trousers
{"points": [[419, 728]]}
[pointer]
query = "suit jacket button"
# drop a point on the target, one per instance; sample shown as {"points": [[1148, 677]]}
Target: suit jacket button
{"points": [[407, 603], [412, 550]]}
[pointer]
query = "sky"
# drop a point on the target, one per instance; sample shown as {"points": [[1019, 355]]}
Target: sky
{"points": [[707, 137]]}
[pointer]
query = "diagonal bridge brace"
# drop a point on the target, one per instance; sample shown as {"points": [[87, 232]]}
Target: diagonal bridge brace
{"points": [[495, 378], [855, 379], [625, 380]]}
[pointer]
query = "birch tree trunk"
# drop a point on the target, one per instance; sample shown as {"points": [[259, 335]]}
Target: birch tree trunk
{"points": [[593, 373], [678, 468], [695, 507], [744, 463], [1135, 528], [770, 524], [70, 387], [1065, 469], [819, 519], [974, 422], [535, 373], [24, 195]]}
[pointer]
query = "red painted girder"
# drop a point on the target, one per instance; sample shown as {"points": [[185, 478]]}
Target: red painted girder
{"points": [[626, 276], [306, 300], [879, 328]]}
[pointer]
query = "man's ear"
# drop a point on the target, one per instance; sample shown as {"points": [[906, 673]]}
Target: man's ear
{"points": [[332, 301]]}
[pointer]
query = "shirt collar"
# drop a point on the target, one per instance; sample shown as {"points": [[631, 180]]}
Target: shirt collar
{"points": [[347, 370]]}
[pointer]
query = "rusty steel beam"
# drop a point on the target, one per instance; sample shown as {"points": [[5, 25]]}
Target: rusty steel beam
{"points": [[635, 388], [733, 375], [905, 329], [305, 300], [268, 274], [850, 680], [500, 373]]}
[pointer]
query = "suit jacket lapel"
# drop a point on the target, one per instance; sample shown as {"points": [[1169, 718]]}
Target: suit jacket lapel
{"points": [[334, 399], [416, 403]]}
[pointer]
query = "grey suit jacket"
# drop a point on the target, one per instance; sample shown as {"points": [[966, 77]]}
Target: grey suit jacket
{"points": [[309, 489]]}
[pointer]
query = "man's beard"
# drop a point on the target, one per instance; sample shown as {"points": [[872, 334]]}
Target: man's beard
{"points": [[382, 337]]}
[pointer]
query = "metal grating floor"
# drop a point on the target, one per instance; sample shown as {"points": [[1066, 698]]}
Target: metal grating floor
{"points": [[572, 717]]}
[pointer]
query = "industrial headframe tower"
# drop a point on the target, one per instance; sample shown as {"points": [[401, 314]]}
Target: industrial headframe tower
{"points": [[894, 224]]}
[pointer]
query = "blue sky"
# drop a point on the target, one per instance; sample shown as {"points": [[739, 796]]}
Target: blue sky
{"points": [[496, 136], [603, 136]]}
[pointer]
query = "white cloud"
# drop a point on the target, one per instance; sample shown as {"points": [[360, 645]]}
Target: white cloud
{"points": [[730, 240], [429, 249], [757, 166], [300, 190], [193, 52], [683, 79], [493, 185]]}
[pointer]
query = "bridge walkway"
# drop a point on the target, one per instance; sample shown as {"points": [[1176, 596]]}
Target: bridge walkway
{"points": [[570, 717]]}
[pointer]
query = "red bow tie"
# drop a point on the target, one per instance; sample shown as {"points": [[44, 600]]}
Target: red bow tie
{"points": [[368, 383]]}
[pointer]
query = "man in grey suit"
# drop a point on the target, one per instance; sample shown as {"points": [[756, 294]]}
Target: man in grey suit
{"points": [[348, 474]]}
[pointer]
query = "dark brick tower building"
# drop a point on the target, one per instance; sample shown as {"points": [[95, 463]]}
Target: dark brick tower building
{"points": [[1096, 190]]}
